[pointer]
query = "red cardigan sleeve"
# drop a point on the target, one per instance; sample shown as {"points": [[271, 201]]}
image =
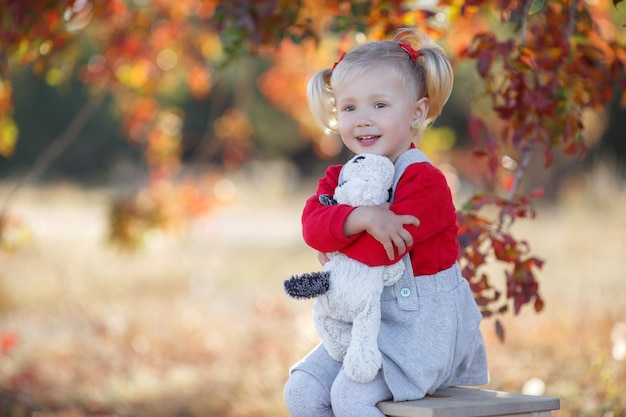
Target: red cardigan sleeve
{"points": [[322, 226], [422, 192]]}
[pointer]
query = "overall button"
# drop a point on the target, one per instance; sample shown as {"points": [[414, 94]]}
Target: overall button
{"points": [[405, 292]]}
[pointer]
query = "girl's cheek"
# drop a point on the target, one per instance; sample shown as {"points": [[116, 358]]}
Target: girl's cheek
{"points": [[344, 119]]}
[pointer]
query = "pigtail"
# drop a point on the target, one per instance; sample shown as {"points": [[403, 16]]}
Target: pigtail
{"points": [[439, 79], [322, 101], [435, 70]]}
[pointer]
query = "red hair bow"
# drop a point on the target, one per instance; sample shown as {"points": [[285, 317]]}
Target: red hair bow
{"points": [[339, 60], [413, 54]]}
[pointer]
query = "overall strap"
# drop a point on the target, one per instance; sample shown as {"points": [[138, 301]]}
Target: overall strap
{"points": [[405, 289], [407, 158]]}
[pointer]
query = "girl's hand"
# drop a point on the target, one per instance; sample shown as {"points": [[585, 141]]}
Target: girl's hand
{"points": [[383, 225], [322, 257]]}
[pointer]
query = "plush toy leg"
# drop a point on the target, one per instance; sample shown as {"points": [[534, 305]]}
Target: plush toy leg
{"points": [[393, 273], [335, 334], [363, 358]]}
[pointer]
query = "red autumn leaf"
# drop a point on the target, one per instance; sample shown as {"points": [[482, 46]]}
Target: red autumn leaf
{"points": [[538, 192], [476, 127], [468, 273], [505, 111], [536, 262], [493, 165], [484, 63], [478, 153], [475, 203], [480, 285], [548, 157], [8, 342], [544, 102], [505, 252], [477, 258]]}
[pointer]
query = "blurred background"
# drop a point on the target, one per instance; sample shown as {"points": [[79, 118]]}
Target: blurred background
{"points": [[151, 195]]}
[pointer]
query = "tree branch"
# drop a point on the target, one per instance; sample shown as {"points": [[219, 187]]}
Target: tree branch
{"points": [[56, 148], [527, 152]]}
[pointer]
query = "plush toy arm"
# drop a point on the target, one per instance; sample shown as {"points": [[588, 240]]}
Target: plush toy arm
{"points": [[393, 273]]}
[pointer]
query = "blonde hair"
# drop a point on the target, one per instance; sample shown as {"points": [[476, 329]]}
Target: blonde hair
{"points": [[430, 76]]}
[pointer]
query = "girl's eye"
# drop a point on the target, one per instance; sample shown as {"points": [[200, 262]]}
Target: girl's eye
{"points": [[348, 108], [379, 105]]}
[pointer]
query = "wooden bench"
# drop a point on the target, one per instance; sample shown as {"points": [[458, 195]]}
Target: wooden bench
{"points": [[471, 402]]}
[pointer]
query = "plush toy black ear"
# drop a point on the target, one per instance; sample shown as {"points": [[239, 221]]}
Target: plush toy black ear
{"points": [[326, 200], [309, 285]]}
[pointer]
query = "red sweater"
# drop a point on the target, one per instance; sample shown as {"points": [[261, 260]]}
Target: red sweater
{"points": [[422, 191]]}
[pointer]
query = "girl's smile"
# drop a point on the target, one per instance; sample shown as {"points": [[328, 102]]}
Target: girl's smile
{"points": [[367, 140]]}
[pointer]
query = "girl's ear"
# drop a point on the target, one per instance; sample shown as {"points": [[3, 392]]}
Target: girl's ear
{"points": [[420, 110]]}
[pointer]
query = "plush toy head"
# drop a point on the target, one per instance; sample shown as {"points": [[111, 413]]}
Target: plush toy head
{"points": [[367, 180]]}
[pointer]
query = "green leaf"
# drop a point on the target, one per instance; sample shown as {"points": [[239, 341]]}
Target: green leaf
{"points": [[8, 136], [536, 6]]}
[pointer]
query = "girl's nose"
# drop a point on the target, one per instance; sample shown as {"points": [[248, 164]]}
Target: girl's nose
{"points": [[363, 121]]}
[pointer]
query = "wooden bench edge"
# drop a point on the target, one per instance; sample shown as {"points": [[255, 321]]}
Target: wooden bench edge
{"points": [[470, 402]]}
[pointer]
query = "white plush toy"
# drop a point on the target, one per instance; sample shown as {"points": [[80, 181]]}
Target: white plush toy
{"points": [[346, 312]]}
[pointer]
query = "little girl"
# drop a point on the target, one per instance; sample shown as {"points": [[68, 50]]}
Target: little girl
{"points": [[378, 97]]}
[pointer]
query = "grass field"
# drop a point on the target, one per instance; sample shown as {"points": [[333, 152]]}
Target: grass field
{"points": [[199, 326]]}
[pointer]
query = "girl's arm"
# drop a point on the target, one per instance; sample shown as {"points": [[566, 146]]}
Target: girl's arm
{"points": [[384, 226], [422, 192], [322, 226]]}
